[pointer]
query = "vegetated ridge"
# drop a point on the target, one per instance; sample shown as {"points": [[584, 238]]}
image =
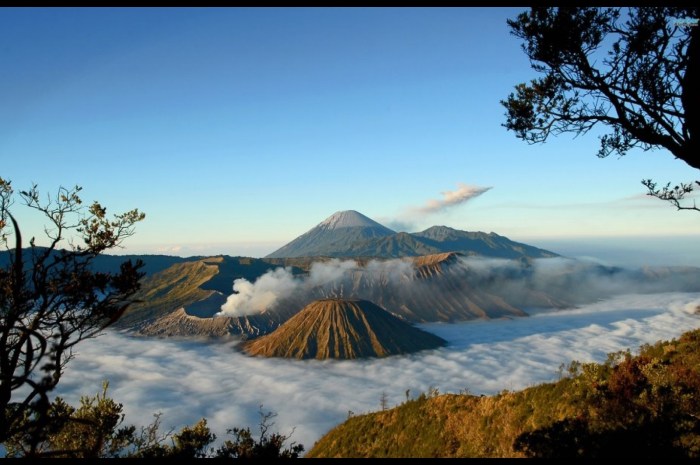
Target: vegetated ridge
{"points": [[644, 406]]}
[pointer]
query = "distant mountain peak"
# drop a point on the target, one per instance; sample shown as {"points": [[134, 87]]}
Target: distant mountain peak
{"points": [[439, 232], [440, 228], [348, 219], [343, 227]]}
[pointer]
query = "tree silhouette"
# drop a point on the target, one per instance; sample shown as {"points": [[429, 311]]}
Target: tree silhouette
{"points": [[51, 299], [634, 71], [384, 401], [267, 446]]}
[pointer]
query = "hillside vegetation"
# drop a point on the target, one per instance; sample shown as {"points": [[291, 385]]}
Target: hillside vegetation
{"points": [[630, 406]]}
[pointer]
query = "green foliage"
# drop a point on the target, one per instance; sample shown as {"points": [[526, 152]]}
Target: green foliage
{"points": [[190, 443], [600, 70], [90, 431], [629, 406], [645, 406], [95, 430], [51, 298], [267, 446]]}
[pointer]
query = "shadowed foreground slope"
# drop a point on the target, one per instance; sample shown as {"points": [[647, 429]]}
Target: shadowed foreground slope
{"points": [[344, 329], [643, 406]]}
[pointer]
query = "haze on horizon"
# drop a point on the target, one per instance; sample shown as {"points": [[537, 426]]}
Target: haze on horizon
{"points": [[238, 129]]}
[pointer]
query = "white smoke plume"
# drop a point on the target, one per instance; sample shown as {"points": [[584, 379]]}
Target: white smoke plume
{"points": [[278, 284], [566, 281], [250, 299], [396, 271], [463, 193], [322, 273]]}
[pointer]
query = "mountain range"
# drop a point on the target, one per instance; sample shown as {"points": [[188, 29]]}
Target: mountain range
{"points": [[352, 234], [184, 300], [442, 275]]}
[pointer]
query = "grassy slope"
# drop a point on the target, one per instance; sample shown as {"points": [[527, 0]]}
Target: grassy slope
{"points": [[645, 405], [171, 289], [184, 284]]}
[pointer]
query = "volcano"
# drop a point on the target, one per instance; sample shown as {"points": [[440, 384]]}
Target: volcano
{"points": [[342, 329]]}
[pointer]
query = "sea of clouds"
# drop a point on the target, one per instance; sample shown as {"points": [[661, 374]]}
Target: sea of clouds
{"points": [[188, 380]]}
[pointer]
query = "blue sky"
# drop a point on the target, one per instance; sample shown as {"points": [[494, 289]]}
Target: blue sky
{"points": [[236, 130]]}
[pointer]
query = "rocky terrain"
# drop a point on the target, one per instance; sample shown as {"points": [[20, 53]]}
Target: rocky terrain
{"points": [[342, 329]]}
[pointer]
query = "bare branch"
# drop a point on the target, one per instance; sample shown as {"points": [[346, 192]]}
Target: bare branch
{"points": [[674, 194]]}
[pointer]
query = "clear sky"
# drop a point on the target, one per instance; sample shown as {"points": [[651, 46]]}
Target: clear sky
{"points": [[237, 130]]}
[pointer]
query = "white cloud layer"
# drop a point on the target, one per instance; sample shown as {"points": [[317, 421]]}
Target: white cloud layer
{"points": [[187, 380]]}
